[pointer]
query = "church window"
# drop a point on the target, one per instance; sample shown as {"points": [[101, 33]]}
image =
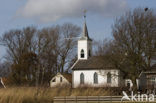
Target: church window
{"points": [[95, 78], [60, 79], [81, 78], [82, 53], [108, 77], [89, 53], [54, 80], [152, 80]]}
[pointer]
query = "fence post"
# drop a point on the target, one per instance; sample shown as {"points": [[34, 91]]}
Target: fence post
{"points": [[87, 99], [98, 99]]}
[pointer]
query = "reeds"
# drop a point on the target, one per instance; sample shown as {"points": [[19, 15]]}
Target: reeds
{"points": [[45, 95]]}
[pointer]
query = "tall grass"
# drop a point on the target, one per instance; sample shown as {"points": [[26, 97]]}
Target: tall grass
{"points": [[45, 95]]}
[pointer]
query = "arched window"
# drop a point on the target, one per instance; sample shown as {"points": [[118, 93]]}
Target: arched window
{"points": [[60, 79], [54, 80], [81, 78], [95, 78], [82, 53], [89, 53], [108, 77]]}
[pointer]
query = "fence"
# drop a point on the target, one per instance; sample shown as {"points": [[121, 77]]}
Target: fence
{"points": [[97, 99], [86, 99]]}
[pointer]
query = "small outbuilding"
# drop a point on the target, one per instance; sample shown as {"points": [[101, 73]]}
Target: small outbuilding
{"points": [[61, 80], [147, 79]]}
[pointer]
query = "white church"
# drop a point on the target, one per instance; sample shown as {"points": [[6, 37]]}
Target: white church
{"points": [[93, 71]]}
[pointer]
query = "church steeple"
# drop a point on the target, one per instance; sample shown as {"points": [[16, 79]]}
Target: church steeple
{"points": [[84, 43], [85, 35], [85, 30]]}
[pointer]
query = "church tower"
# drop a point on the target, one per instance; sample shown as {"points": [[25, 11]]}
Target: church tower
{"points": [[84, 44]]}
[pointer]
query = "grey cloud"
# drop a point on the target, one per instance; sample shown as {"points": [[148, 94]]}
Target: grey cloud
{"points": [[52, 10]]}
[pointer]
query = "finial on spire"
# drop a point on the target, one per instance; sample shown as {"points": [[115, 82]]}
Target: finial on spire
{"points": [[85, 35], [85, 13]]}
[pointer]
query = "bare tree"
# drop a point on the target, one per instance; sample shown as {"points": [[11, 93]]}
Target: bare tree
{"points": [[55, 52], [47, 50], [18, 42], [134, 41], [4, 69], [37, 55], [67, 46]]}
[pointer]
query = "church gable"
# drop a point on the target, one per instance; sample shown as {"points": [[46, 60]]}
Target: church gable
{"points": [[61, 80]]}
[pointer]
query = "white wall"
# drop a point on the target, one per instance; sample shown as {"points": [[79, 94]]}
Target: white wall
{"points": [[86, 46], [57, 82], [102, 78]]}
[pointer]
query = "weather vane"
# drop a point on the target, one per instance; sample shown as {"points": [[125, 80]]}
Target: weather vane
{"points": [[85, 13]]}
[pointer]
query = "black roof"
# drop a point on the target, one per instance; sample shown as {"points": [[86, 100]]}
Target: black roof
{"points": [[85, 35], [68, 76], [95, 62]]}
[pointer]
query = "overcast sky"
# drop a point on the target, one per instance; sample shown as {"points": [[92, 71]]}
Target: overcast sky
{"points": [[42, 13]]}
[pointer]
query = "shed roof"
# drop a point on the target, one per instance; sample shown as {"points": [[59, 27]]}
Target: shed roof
{"points": [[68, 76]]}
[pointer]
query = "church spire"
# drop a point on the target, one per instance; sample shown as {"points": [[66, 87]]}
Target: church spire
{"points": [[85, 30], [84, 43]]}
